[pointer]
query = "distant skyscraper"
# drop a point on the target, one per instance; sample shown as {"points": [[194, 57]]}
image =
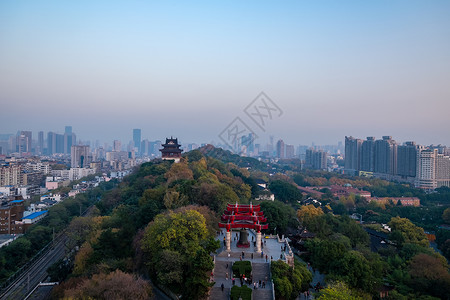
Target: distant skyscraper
{"points": [[316, 159], [145, 146], [352, 153], [368, 154], [23, 143], [290, 151], [40, 144], [80, 156], [51, 143], [407, 159], [60, 143], [55, 143], [137, 139], [385, 156], [280, 149], [68, 129], [69, 140], [433, 169], [117, 146]]}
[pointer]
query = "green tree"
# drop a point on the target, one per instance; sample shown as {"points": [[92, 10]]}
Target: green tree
{"points": [[289, 282], [285, 192], [404, 231], [446, 215], [340, 291], [178, 248], [325, 253], [179, 171], [279, 216]]}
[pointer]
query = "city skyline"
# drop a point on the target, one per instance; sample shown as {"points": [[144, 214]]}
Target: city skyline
{"points": [[273, 146], [187, 70]]}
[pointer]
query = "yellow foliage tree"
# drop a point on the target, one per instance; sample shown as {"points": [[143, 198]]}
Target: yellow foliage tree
{"points": [[307, 213]]}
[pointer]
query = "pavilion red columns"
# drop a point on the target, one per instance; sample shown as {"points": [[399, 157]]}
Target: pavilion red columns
{"points": [[228, 238], [242, 216], [258, 238], [258, 241]]}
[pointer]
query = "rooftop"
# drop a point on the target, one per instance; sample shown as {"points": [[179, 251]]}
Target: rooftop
{"points": [[35, 215], [16, 201]]}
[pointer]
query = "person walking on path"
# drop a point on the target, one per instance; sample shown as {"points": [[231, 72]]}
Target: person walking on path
{"points": [[226, 275], [222, 286]]}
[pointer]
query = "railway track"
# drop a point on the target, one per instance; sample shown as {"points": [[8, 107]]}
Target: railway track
{"points": [[36, 272]]}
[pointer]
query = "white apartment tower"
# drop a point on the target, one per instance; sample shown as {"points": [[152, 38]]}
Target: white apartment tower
{"points": [[433, 169]]}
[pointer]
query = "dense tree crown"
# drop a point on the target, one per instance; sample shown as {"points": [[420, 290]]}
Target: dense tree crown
{"points": [[404, 231], [285, 192], [178, 247]]}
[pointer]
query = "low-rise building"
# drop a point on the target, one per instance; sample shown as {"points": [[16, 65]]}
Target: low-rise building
{"points": [[339, 191], [34, 217], [404, 201]]}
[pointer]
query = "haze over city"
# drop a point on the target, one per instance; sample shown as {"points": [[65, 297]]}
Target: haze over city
{"points": [[188, 69]]}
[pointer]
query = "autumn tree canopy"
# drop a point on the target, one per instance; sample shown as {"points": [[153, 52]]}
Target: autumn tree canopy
{"points": [[178, 247]]}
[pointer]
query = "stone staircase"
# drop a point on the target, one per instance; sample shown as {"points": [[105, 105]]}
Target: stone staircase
{"points": [[261, 271], [217, 294]]}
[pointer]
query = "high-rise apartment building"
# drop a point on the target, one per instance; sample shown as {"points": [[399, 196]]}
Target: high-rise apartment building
{"points": [[433, 169], [80, 156], [407, 159], [23, 141], [426, 167], [368, 155], [385, 156], [40, 144], [442, 170], [51, 143], [352, 153], [316, 159], [55, 143], [280, 149], [117, 146], [137, 139], [69, 141], [290, 151]]}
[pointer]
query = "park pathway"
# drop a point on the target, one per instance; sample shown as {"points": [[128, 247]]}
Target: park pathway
{"points": [[317, 277], [260, 267], [261, 271]]}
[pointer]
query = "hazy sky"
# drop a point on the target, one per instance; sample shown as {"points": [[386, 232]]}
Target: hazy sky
{"points": [[185, 68]]}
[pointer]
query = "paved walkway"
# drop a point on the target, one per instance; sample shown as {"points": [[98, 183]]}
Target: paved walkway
{"points": [[317, 277], [272, 248]]}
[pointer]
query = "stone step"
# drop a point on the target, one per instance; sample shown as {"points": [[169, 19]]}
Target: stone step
{"points": [[261, 271], [220, 269], [217, 294]]}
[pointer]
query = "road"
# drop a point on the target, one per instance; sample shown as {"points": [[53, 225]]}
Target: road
{"points": [[36, 273]]}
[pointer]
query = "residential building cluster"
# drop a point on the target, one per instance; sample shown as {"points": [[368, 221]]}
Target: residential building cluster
{"points": [[427, 167]]}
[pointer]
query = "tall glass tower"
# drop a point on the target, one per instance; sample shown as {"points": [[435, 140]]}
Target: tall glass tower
{"points": [[137, 139]]}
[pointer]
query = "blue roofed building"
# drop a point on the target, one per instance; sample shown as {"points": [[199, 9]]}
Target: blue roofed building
{"points": [[34, 217]]}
